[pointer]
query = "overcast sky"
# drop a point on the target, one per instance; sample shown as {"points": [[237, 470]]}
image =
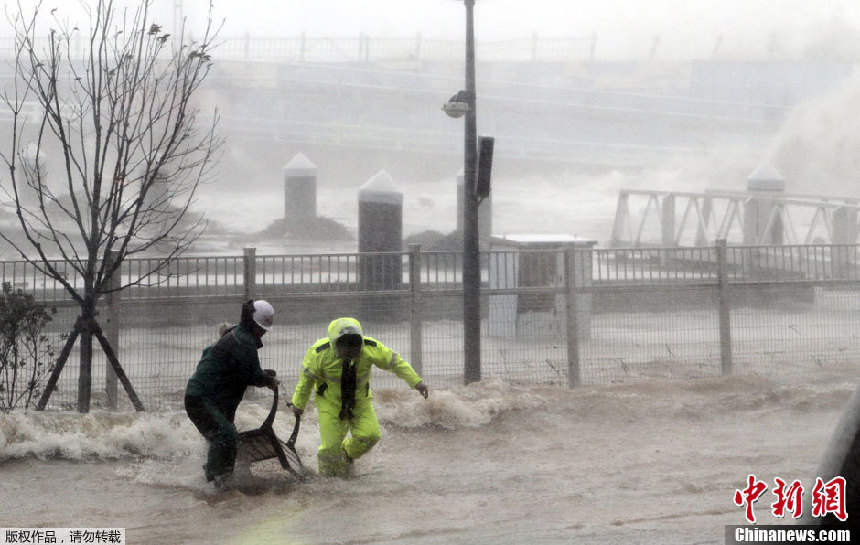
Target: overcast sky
{"points": [[686, 27], [624, 28]]}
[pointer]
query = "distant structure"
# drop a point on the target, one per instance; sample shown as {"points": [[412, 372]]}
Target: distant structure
{"points": [[763, 214], [300, 190], [516, 265], [380, 229], [761, 225]]}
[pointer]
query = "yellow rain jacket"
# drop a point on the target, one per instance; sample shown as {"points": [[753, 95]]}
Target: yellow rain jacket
{"points": [[322, 372]]}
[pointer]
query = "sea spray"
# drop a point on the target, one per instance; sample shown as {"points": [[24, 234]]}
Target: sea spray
{"points": [[98, 434], [171, 435], [168, 434], [470, 406]]}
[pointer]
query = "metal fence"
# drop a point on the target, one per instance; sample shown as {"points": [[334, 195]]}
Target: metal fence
{"points": [[565, 316]]}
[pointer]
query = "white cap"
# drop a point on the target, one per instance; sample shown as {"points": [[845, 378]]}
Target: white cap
{"points": [[263, 314], [381, 189]]}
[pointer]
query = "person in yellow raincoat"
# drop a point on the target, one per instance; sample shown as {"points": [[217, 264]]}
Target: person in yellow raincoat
{"points": [[338, 368]]}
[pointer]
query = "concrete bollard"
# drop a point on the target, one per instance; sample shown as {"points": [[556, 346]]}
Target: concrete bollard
{"points": [[762, 219], [844, 256], [380, 229], [300, 189]]}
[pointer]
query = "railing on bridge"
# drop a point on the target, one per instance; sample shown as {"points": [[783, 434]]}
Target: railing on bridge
{"points": [[236, 276], [814, 264], [440, 272], [678, 218]]}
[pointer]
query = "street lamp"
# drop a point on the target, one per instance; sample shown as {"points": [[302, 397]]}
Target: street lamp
{"points": [[464, 104]]}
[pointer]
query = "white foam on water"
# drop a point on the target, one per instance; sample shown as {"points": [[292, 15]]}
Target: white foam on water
{"points": [[492, 462], [471, 406]]}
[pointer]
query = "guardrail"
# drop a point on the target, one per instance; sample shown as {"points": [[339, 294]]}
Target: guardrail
{"points": [[570, 316], [750, 217], [817, 264], [441, 271]]}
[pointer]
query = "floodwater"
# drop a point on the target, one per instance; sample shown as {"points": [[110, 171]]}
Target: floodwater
{"points": [[653, 462]]}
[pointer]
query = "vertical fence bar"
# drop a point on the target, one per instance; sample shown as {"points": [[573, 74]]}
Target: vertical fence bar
{"points": [[416, 341], [724, 308], [572, 323]]}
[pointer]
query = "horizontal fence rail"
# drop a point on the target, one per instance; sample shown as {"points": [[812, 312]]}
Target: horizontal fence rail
{"points": [[824, 263], [565, 316]]}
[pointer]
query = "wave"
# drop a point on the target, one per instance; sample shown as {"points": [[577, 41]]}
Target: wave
{"points": [[170, 435], [98, 434]]}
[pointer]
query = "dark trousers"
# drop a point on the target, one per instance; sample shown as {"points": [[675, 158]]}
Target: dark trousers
{"points": [[218, 428]]}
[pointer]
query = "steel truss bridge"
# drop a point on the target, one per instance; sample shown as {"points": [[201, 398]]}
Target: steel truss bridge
{"points": [[647, 218]]}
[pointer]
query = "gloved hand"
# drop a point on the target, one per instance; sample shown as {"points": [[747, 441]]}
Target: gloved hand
{"points": [[274, 383], [296, 411], [422, 389]]}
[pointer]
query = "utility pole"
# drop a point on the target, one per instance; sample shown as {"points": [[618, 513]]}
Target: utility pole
{"points": [[471, 253]]}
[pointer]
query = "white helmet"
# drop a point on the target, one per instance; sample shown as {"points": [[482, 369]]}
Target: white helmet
{"points": [[263, 314]]}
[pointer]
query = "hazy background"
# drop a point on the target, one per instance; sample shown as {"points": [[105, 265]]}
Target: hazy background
{"points": [[664, 95], [687, 29]]}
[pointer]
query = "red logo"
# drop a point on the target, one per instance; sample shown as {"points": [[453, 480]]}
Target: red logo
{"points": [[829, 497], [826, 498], [749, 495], [787, 499]]}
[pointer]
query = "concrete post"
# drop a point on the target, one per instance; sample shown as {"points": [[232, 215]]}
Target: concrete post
{"points": [[300, 189], [249, 271], [380, 229], [844, 240], [765, 181]]}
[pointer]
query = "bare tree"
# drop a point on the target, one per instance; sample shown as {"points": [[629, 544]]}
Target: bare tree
{"points": [[115, 104]]}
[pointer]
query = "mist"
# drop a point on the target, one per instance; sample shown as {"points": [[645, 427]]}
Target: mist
{"points": [[641, 65], [816, 148], [583, 100], [625, 28]]}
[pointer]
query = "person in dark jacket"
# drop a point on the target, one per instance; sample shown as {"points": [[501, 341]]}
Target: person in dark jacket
{"points": [[216, 388]]}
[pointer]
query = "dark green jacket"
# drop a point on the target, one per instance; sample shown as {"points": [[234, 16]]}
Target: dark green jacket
{"points": [[226, 369]]}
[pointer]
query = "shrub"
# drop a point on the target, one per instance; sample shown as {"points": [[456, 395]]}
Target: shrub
{"points": [[26, 353]]}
